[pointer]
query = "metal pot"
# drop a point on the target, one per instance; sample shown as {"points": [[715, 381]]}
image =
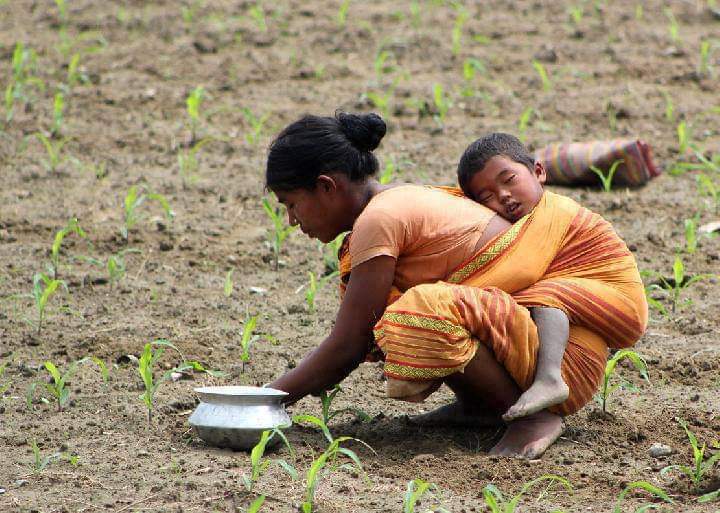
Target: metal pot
{"points": [[236, 416]]}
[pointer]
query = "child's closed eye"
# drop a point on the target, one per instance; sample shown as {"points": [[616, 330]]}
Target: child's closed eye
{"points": [[510, 179]]}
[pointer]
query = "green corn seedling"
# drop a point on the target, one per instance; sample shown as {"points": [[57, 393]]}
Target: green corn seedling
{"points": [[41, 462], [146, 364], [62, 11], [256, 504], [471, 67], [43, 289], [607, 389], [342, 13], [524, 121], [326, 400], [457, 31], [418, 489], [691, 234], [701, 465], [257, 124], [194, 103], [639, 12], [383, 64], [683, 136], [53, 150], [314, 286], [680, 281], [706, 187], [388, 173], [71, 227], [257, 13], [58, 388], [710, 497], [188, 161], [575, 12], [280, 230], [497, 503], [330, 253], [23, 79], [74, 75], [132, 202], [543, 74], [704, 62], [327, 462], [673, 27], [442, 103], [261, 464], [58, 118], [228, 286], [640, 485], [415, 14], [606, 179], [669, 108], [247, 339], [5, 386]]}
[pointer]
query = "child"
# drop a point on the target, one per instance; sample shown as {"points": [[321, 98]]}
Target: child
{"points": [[498, 172]]}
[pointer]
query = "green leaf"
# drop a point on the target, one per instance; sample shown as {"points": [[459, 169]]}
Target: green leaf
{"points": [[256, 504]]}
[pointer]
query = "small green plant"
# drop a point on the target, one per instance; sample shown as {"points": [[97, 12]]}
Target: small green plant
{"points": [[261, 464], [71, 227], [44, 288], [383, 63], [62, 11], [342, 13], [326, 400], [673, 27], [669, 108], [257, 13], [194, 104], [418, 489], [189, 12], [639, 13], [314, 286], [704, 69], [3, 386], [134, 198], [247, 339], [640, 485], [701, 465], [328, 462], [710, 497], [330, 253], [524, 122], [691, 234], [41, 462], [607, 389], [683, 136], [23, 79], [58, 118], [543, 74], [381, 99], [575, 12], [707, 187], [471, 67], [442, 104], [460, 19], [679, 282], [228, 285], [114, 265], [497, 503], [53, 150], [255, 505], [74, 75], [257, 124], [606, 179], [188, 162], [58, 388], [280, 230]]}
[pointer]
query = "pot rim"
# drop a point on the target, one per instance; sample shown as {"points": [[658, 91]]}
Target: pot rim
{"points": [[240, 391]]}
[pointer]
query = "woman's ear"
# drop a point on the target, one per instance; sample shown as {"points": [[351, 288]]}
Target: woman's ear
{"points": [[326, 183]]}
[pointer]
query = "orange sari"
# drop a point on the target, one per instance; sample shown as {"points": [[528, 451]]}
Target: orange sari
{"points": [[560, 255]]}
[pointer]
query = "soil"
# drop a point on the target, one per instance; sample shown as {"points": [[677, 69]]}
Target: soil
{"points": [[125, 119]]}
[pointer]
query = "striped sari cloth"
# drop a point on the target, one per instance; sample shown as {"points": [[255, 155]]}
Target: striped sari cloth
{"points": [[560, 255]]}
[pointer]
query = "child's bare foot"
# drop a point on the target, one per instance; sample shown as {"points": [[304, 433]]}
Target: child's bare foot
{"points": [[456, 414], [543, 393], [529, 437]]}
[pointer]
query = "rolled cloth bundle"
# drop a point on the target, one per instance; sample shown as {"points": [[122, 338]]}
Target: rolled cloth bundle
{"points": [[569, 163]]}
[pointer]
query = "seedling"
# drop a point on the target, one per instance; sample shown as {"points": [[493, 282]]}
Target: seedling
{"points": [[471, 67], [53, 150], [74, 75], [71, 227], [691, 234], [58, 388], [710, 497], [330, 253], [381, 64], [669, 108], [188, 161], [327, 462], [442, 104], [41, 462], [683, 136], [418, 489], [701, 465], [606, 179], [194, 103], [23, 79], [542, 73], [257, 123], [43, 289], [524, 121], [189, 13], [607, 389], [257, 13], [706, 187], [342, 13], [678, 283], [415, 14], [256, 504], [704, 62], [248, 339], [314, 286], [575, 12], [673, 27], [145, 369], [280, 230], [460, 19], [260, 465], [3, 387], [326, 400], [228, 285], [133, 200], [640, 485], [639, 12], [62, 11], [497, 503]]}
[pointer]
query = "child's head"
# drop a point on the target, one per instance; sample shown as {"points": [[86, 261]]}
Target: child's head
{"points": [[499, 172]]}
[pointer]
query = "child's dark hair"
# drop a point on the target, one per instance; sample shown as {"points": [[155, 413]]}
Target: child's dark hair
{"points": [[315, 145], [478, 154]]}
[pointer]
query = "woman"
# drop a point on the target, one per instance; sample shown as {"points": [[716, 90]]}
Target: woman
{"points": [[321, 169]]}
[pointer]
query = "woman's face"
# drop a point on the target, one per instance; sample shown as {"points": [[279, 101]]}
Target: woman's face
{"points": [[313, 210]]}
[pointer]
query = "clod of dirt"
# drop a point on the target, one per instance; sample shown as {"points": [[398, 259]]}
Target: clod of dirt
{"points": [[658, 450]]}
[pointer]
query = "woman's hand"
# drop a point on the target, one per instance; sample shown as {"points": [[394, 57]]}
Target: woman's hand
{"points": [[346, 346]]}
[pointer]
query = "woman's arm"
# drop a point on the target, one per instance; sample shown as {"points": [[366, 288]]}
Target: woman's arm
{"points": [[345, 348]]}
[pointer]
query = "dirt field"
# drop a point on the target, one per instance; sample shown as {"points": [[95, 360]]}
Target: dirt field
{"points": [[613, 66]]}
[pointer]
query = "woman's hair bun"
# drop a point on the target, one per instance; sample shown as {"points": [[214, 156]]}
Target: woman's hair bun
{"points": [[364, 131]]}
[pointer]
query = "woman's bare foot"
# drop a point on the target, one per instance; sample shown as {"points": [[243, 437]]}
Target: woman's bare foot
{"points": [[542, 394], [529, 437], [456, 414]]}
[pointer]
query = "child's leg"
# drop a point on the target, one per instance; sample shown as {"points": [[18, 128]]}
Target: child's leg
{"points": [[548, 388]]}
